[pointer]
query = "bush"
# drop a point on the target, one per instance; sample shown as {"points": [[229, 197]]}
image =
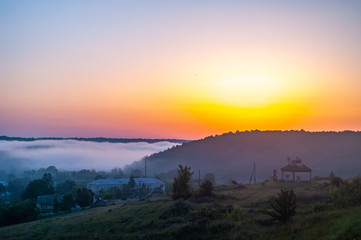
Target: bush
{"points": [[112, 193], [206, 214], [180, 208], [336, 181], [320, 207], [284, 205], [236, 214], [347, 193], [221, 226]]}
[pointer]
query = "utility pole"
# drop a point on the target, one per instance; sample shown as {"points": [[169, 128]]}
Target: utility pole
{"points": [[199, 177], [254, 166], [145, 167]]}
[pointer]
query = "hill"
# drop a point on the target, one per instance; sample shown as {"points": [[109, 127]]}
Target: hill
{"points": [[162, 218], [96, 139], [232, 155]]}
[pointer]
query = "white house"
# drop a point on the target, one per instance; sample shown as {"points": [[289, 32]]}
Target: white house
{"points": [[46, 202], [150, 183]]}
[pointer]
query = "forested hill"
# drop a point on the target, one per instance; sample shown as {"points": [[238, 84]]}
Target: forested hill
{"points": [[97, 139], [232, 155]]}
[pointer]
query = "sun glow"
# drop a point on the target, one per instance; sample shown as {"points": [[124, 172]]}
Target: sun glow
{"points": [[247, 91]]}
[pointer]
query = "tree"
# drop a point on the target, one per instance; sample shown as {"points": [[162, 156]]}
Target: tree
{"points": [[116, 173], [284, 205], [158, 191], [143, 192], [136, 173], [210, 177], [67, 202], [181, 188], [112, 193], [99, 176], [206, 189], [39, 187], [2, 189], [127, 192], [65, 187], [16, 187], [131, 182], [84, 197], [17, 212], [52, 170]]}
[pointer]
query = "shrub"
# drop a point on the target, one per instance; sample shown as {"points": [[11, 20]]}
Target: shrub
{"points": [[206, 214], [347, 193], [221, 226], [236, 214], [336, 181], [320, 207], [284, 205], [180, 208]]}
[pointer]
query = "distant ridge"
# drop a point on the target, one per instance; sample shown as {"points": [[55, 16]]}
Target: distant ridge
{"points": [[96, 139], [232, 155]]}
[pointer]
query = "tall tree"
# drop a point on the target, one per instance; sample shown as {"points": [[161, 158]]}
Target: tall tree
{"points": [[181, 188], [84, 197], [65, 187], [67, 202], [39, 187]]}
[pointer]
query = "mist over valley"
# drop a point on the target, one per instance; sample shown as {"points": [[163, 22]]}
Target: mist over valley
{"points": [[17, 156]]}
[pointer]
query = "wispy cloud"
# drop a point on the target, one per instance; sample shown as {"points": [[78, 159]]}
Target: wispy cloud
{"points": [[73, 155]]}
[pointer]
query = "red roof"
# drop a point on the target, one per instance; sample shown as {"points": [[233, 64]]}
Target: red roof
{"points": [[296, 166]]}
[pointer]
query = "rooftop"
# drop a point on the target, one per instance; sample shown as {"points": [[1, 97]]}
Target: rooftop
{"points": [[121, 181], [295, 165]]}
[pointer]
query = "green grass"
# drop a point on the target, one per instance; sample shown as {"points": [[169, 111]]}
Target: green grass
{"points": [[142, 219]]}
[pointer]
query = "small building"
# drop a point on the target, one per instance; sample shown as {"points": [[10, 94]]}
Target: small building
{"points": [[103, 184], [295, 166], [99, 203], [46, 202]]}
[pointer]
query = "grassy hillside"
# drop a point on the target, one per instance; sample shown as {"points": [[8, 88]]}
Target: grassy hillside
{"points": [[162, 218], [231, 155]]}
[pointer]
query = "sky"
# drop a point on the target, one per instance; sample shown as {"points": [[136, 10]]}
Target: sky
{"points": [[178, 69]]}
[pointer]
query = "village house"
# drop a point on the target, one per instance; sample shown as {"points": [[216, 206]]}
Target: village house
{"points": [[45, 203], [295, 166], [103, 184]]}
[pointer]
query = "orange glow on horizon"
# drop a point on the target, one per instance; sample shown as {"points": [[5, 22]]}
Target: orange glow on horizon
{"points": [[178, 70]]}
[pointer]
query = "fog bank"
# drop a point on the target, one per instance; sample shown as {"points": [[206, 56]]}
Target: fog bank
{"points": [[73, 155]]}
